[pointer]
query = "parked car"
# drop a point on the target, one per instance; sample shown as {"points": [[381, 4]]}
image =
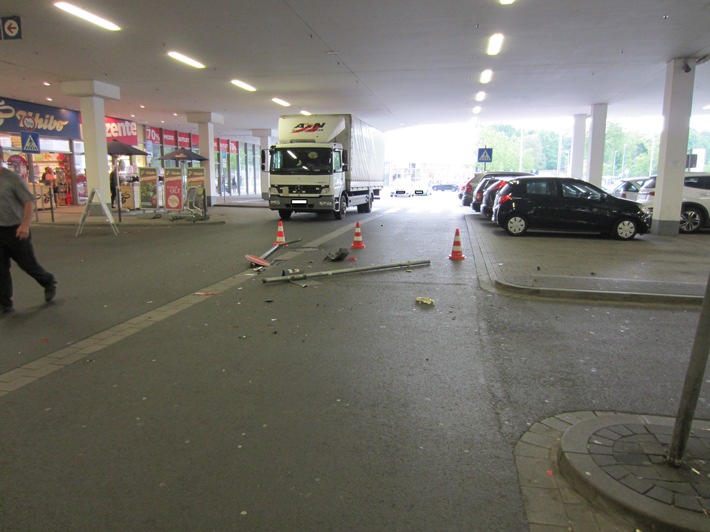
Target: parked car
{"points": [[478, 193], [444, 187], [695, 207], [421, 187], [628, 188], [402, 188], [489, 194], [467, 188], [567, 204]]}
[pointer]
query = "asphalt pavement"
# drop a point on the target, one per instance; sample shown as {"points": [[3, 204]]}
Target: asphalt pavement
{"points": [[575, 469]]}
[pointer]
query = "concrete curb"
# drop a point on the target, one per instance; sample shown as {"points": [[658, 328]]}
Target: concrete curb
{"points": [[589, 479], [619, 297]]}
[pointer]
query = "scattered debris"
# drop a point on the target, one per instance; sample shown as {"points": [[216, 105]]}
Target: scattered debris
{"points": [[338, 255], [424, 300]]}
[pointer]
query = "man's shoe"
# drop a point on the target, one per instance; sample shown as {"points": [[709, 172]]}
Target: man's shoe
{"points": [[49, 292], [7, 310]]}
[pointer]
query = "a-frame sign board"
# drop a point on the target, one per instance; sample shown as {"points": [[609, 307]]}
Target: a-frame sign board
{"points": [[106, 210]]}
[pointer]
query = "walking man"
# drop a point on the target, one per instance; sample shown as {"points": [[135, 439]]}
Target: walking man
{"points": [[16, 209]]}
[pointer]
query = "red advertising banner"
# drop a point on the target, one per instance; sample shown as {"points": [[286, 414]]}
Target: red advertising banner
{"points": [[154, 135], [169, 137], [223, 145], [148, 179], [183, 140], [233, 147], [121, 130], [195, 141], [216, 144], [173, 189]]}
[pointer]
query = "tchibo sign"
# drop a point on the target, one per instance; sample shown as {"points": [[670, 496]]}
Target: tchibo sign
{"points": [[121, 130]]}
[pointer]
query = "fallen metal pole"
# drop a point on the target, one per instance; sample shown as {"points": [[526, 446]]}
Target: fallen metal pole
{"points": [[295, 277], [277, 246]]}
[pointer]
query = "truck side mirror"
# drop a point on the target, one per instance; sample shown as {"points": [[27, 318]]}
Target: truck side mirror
{"points": [[345, 160], [264, 160]]}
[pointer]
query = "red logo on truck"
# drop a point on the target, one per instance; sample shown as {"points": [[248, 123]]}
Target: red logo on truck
{"points": [[308, 128]]}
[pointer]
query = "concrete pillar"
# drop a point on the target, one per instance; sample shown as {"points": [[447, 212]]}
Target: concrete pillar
{"points": [[93, 129], [205, 128], [677, 103], [267, 138], [597, 140], [578, 137]]}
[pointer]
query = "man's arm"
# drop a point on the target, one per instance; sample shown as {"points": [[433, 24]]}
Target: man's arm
{"points": [[23, 230]]}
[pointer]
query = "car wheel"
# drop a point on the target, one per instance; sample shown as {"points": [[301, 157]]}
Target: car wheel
{"points": [[466, 202], [691, 220], [516, 225], [624, 229], [285, 214], [340, 213]]}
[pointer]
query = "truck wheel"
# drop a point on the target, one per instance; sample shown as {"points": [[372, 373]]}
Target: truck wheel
{"points": [[366, 207], [285, 214], [340, 213]]}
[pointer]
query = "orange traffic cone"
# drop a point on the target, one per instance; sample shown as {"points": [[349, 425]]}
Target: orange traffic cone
{"points": [[357, 240], [456, 251], [280, 237]]}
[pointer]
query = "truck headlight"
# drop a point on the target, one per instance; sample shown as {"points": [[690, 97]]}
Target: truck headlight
{"points": [[273, 190]]}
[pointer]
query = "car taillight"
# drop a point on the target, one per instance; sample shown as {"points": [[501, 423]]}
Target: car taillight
{"points": [[504, 198], [623, 195], [479, 196]]}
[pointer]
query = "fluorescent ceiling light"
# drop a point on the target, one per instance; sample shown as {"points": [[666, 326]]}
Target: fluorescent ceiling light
{"points": [[480, 96], [477, 109], [486, 76], [184, 59], [305, 113], [89, 17], [495, 43], [243, 85], [281, 102], [506, 2]]}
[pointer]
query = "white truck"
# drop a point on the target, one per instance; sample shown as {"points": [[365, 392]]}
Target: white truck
{"points": [[324, 163]]}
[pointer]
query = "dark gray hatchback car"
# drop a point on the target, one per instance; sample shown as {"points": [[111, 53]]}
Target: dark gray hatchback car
{"points": [[566, 204]]}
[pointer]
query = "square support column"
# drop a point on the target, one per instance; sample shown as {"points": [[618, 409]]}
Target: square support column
{"points": [[597, 140], [93, 127], [677, 103], [265, 137], [578, 138], [205, 126]]}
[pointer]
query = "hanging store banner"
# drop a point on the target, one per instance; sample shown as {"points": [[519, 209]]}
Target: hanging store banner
{"points": [[183, 140], [173, 189], [121, 130], [169, 137], [148, 179], [16, 116]]}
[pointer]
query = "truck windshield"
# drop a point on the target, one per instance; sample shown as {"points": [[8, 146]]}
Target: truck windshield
{"points": [[301, 161]]}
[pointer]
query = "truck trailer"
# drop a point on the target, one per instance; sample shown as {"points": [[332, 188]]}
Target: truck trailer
{"points": [[324, 163]]}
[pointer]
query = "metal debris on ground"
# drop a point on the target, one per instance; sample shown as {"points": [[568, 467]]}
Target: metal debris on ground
{"points": [[424, 300], [338, 255]]}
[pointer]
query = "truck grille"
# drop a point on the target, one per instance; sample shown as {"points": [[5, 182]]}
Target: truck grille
{"points": [[288, 190]]}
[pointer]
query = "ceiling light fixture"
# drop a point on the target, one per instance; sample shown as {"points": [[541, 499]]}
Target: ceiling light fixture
{"points": [[46, 84], [477, 109], [187, 60], [486, 76], [506, 2], [480, 96], [279, 101], [495, 44], [85, 15], [242, 85], [305, 113]]}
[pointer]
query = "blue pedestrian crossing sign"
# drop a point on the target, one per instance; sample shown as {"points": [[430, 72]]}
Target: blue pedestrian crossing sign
{"points": [[485, 155], [30, 142]]}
